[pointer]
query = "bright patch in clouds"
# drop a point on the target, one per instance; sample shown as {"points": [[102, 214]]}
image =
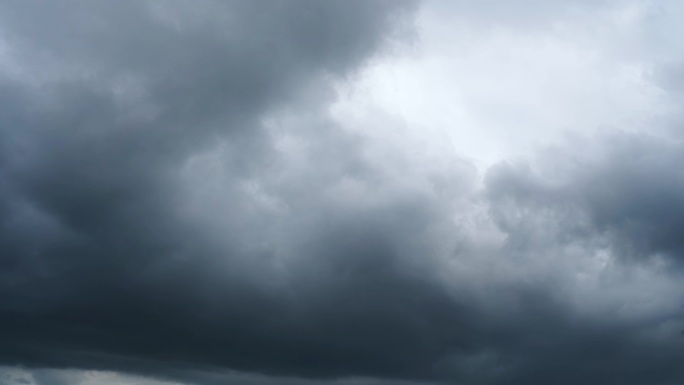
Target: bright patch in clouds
{"points": [[496, 88]]}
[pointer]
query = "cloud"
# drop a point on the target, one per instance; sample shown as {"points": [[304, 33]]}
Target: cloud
{"points": [[619, 187], [590, 222], [14, 376], [184, 197], [146, 112]]}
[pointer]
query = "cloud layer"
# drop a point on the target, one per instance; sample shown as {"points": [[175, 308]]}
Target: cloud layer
{"points": [[181, 199]]}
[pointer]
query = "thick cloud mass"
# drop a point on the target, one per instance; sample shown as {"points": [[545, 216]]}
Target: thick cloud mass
{"points": [[113, 252], [623, 188], [178, 200], [604, 223]]}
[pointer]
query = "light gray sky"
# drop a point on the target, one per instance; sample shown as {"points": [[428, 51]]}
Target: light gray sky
{"points": [[498, 79]]}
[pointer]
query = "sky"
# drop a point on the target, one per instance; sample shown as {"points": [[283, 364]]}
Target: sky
{"points": [[341, 192]]}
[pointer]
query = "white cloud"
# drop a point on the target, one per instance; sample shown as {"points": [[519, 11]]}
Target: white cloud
{"points": [[495, 87]]}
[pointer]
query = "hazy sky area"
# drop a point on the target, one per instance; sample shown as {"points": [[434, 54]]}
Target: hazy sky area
{"points": [[341, 192]]}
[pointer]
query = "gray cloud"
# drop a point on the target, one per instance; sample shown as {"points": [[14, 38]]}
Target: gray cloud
{"points": [[599, 215], [525, 14], [102, 264], [177, 201], [620, 188]]}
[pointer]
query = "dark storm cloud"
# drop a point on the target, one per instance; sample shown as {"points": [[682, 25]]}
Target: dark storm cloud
{"points": [[105, 104], [618, 195], [176, 201]]}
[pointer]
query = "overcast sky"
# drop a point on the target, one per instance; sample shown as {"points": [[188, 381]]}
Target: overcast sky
{"points": [[341, 192]]}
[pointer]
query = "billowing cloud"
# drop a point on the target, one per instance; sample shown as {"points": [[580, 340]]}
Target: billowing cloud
{"points": [[589, 226], [190, 193], [152, 211]]}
